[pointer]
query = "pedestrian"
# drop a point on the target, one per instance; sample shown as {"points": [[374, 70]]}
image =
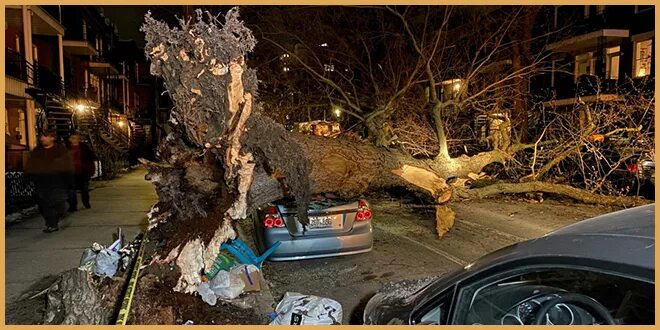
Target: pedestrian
{"points": [[51, 169], [84, 168]]}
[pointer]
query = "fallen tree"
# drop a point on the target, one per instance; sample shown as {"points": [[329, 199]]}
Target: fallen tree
{"points": [[225, 157]]}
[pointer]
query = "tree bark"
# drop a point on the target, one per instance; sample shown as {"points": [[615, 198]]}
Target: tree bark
{"points": [[580, 195], [77, 298]]}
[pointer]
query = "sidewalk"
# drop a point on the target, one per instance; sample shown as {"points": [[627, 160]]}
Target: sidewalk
{"points": [[31, 254]]}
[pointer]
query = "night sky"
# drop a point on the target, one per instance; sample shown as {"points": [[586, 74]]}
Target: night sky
{"points": [[128, 19]]}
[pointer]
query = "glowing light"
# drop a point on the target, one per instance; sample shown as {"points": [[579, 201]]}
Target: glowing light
{"points": [[80, 107], [120, 123], [337, 111], [457, 86]]}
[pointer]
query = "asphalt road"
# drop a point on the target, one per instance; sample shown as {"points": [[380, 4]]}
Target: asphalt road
{"points": [[406, 247]]}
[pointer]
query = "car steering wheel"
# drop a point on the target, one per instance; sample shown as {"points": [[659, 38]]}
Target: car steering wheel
{"points": [[581, 300]]}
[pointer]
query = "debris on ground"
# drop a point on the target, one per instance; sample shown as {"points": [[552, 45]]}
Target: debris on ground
{"points": [[106, 262], [21, 215], [299, 309]]}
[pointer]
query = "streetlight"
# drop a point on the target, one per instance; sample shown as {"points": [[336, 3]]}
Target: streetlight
{"points": [[80, 107], [120, 123], [336, 110]]}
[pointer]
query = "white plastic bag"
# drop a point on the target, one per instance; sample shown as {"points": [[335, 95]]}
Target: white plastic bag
{"points": [[87, 260], [299, 309], [207, 295], [227, 285], [107, 263]]}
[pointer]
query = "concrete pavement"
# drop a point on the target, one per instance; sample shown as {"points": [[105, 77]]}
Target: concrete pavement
{"points": [[31, 254]]}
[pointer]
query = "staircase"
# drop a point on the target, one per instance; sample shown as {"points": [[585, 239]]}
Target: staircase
{"points": [[57, 116], [139, 135], [93, 124]]}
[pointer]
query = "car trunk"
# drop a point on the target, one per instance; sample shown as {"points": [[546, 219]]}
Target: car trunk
{"points": [[327, 216]]}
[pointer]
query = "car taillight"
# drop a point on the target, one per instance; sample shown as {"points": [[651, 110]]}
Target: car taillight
{"points": [[273, 219], [632, 168], [364, 212]]}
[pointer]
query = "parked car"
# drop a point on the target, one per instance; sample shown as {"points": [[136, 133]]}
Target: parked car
{"points": [[597, 271], [336, 227]]}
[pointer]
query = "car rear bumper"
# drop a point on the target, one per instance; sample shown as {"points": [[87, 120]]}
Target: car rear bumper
{"points": [[359, 240]]}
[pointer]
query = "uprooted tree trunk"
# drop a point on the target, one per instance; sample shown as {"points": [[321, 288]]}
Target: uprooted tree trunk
{"points": [[226, 157]]}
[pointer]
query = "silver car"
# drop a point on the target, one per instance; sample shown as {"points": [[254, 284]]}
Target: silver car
{"points": [[336, 227]]}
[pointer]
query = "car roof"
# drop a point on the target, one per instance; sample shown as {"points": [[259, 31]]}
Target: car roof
{"points": [[636, 222], [624, 238]]}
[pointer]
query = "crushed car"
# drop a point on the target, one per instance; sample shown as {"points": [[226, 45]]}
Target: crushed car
{"points": [[336, 227]]}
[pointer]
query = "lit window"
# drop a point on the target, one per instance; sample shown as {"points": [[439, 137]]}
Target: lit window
{"points": [[452, 88], [329, 67], [612, 62], [584, 65], [642, 65]]}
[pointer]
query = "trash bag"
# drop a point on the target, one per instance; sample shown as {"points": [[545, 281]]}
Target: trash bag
{"points": [[107, 263], [87, 260], [227, 285], [208, 296], [299, 309]]}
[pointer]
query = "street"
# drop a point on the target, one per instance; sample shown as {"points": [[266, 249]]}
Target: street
{"points": [[406, 247]]}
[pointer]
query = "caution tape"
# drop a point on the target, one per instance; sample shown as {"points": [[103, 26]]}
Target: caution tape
{"points": [[122, 318]]}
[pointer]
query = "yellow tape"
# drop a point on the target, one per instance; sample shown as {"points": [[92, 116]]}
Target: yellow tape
{"points": [[122, 318]]}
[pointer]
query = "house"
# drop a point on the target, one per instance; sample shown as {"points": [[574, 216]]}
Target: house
{"points": [[77, 76], [68, 70], [598, 50]]}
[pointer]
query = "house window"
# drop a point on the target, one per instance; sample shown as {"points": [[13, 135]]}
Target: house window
{"points": [[584, 65], [612, 56], [15, 126], [642, 64]]}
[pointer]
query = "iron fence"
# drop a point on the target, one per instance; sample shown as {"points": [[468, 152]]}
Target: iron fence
{"points": [[19, 192]]}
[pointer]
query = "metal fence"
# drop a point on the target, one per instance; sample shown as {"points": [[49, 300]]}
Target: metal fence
{"points": [[19, 192]]}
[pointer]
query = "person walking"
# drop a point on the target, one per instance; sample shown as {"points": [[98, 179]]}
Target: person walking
{"points": [[84, 168], [51, 169]]}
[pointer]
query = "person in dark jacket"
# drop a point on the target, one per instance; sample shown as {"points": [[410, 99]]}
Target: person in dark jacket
{"points": [[51, 169], [83, 164]]}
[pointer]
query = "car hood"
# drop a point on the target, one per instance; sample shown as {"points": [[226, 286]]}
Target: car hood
{"points": [[392, 304]]}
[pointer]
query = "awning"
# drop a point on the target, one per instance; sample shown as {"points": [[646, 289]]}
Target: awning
{"points": [[78, 47], [589, 41], [102, 68], [42, 22]]}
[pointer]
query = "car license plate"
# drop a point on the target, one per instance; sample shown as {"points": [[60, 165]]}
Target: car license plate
{"points": [[325, 221]]}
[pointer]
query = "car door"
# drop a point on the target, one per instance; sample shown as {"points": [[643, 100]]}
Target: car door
{"points": [[513, 293]]}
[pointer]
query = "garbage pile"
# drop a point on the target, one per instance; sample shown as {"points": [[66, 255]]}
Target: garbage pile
{"points": [[107, 261], [228, 279]]}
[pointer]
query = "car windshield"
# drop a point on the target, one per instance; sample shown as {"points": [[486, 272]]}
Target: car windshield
{"points": [[515, 300]]}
